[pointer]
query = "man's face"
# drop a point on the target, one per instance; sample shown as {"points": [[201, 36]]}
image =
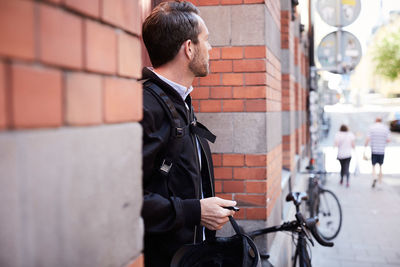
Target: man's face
{"points": [[199, 65]]}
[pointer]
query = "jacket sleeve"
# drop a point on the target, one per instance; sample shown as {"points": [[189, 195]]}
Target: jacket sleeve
{"points": [[161, 214]]}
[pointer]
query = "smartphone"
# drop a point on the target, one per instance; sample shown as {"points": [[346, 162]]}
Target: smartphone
{"points": [[232, 208]]}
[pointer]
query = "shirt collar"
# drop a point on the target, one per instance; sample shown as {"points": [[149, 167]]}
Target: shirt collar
{"points": [[182, 90]]}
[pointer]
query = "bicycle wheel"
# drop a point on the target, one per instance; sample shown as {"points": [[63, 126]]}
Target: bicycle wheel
{"points": [[329, 212]]}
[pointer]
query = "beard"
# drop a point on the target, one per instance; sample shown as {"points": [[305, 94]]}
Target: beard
{"points": [[199, 65]]}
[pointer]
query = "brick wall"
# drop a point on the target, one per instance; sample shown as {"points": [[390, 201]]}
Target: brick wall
{"points": [[241, 102], [70, 102], [294, 87], [245, 79]]}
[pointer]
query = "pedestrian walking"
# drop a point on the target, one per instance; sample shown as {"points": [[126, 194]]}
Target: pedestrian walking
{"points": [[179, 206], [344, 141], [378, 136]]}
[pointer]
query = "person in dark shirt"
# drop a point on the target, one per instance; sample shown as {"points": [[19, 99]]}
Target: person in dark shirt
{"points": [[179, 203]]}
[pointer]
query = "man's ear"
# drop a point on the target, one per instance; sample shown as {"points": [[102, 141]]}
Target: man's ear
{"points": [[188, 49]]}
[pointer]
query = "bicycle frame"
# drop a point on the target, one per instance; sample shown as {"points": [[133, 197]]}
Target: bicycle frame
{"points": [[299, 226]]}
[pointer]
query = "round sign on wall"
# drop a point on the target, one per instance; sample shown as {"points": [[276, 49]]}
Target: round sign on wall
{"points": [[350, 49], [328, 10]]}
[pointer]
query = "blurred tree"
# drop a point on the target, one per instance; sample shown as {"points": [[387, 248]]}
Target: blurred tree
{"points": [[387, 56]]}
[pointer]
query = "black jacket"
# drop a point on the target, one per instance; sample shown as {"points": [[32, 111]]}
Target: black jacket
{"points": [[171, 207]]}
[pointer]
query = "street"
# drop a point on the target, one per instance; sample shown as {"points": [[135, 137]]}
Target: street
{"points": [[370, 235]]}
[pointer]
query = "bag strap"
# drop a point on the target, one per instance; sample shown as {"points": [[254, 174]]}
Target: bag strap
{"points": [[202, 131], [177, 131], [253, 253], [235, 226]]}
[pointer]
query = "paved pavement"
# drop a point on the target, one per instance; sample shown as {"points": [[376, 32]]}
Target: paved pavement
{"points": [[370, 234]]}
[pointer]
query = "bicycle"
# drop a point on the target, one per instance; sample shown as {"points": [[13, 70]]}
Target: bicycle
{"points": [[302, 227], [225, 252], [324, 204]]}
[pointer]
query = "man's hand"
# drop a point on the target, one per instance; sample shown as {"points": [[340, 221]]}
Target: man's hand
{"points": [[213, 215]]}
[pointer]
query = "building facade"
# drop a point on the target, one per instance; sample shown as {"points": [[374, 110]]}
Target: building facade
{"points": [[70, 141]]}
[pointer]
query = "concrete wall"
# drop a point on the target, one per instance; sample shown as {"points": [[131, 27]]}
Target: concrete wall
{"points": [[70, 141]]}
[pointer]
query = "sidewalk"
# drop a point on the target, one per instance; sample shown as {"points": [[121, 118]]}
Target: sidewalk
{"points": [[370, 234]]}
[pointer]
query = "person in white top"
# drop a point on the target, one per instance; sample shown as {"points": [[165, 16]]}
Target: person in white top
{"points": [[344, 141], [378, 137]]}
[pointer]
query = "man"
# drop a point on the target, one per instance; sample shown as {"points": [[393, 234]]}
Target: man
{"points": [[179, 205], [378, 136]]}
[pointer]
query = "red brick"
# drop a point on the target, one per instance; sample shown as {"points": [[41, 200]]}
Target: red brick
{"points": [[232, 159], [3, 111], [200, 93], [250, 173], [138, 262], [210, 106], [251, 200], [208, 2], [232, 79], [36, 97], [129, 56], [233, 187], [217, 159], [101, 48], [256, 105], [256, 213], [221, 66], [223, 173], [221, 92], [194, 2], [256, 187], [256, 78], [231, 2], [87, 7], [255, 52], [256, 160], [60, 38], [123, 100], [273, 106], [17, 29], [249, 92], [215, 53], [84, 98], [210, 79], [232, 52], [241, 214], [123, 13], [252, 65], [233, 105], [218, 187], [284, 44]]}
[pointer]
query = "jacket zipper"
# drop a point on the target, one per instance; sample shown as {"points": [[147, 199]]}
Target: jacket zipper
{"points": [[209, 172], [189, 111]]}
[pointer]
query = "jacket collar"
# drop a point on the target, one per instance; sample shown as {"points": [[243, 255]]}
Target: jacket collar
{"points": [[147, 74]]}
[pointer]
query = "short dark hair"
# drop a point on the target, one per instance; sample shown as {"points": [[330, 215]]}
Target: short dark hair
{"points": [[343, 128], [167, 27]]}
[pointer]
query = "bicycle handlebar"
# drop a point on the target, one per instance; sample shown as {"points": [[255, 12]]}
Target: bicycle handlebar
{"points": [[311, 225]]}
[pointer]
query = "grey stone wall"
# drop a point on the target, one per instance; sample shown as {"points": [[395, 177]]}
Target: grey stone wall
{"points": [[71, 196], [250, 132]]}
